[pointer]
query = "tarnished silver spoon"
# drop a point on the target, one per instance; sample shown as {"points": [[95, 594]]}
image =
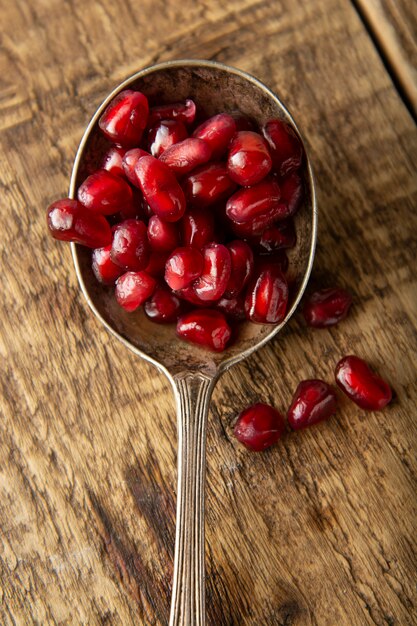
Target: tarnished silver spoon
{"points": [[193, 372]]}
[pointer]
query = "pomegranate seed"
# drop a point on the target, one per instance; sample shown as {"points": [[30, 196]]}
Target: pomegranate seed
{"points": [[241, 257], [163, 236], [216, 272], [234, 308], [113, 161], [260, 202], [249, 160], [291, 194], [250, 230], [104, 269], [183, 266], [327, 307], [197, 228], [105, 193], [163, 307], [156, 264], [267, 296], [68, 220], [278, 237], [133, 288], [259, 426], [205, 327], [125, 118], [130, 247], [136, 210], [313, 401], [242, 122], [165, 134], [208, 184], [129, 163], [188, 294], [160, 188], [356, 379], [217, 131], [285, 146], [183, 112], [186, 155]]}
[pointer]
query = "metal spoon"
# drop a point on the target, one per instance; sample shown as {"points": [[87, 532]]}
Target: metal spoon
{"points": [[193, 372]]}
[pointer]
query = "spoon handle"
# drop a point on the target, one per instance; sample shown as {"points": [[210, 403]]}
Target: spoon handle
{"points": [[193, 393]]}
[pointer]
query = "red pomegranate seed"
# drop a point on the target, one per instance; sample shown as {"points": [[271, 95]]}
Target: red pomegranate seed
{"points": [[130, 159], [260, 202], [136, 210], [208, 184], [160, 188], [130, 246], [217, 131], [104, 269], [163, 307], [197, 228], [186, 155], [241, 257], [356, 379], [313, 401], [285, 146], [267, 296], [183, 266], [68, 220], [242, 121], [165, 134], [156, 264], [250, 230], [291, 194], [125, 118], [188, 294], [183, 112], [105, 193], [113, 161], [277, 237], [259, 426], [248, 161], [133, 288], [205, 327], [327, 307], [216, 272], [233, 308], [163, 236]]}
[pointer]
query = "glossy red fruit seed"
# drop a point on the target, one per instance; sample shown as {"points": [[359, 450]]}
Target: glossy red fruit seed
{"points": [[208, 184], [285, 146], [130, 246], [165, 134], [104, 269], [277, 237], [217, 131], [185, 156], [163, 306], [216, 272], [68, 220], [251, 230], [188, 295], [113, 161], [105, 193], [136, 210], [241, 257], [267, 296], [133, 288], [125, 118], [197, 228], [291, 194], [160, 189], [156, 264], [233, 308], [327, 307], [130, 159], [183, 112], [248, 161], [259, 426], [183, 266], [205, 327], [242, 121], [313, 401], [260, 202], [163, 236], [361, 384]]}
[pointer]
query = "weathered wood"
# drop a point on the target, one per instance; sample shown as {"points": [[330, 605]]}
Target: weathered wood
{"points": [[318, 530]]}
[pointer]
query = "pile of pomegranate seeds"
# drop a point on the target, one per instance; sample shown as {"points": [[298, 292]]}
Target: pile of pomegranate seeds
{"points": [[201, 216]]}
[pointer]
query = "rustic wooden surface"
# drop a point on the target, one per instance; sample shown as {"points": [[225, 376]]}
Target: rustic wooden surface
{"points": [[318, 530]]}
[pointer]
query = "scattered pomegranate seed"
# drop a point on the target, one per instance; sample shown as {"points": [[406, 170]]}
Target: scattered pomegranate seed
{"points": [[160, 188], [217, 131], [313, 401], [277, 237], [104, 269], [197, 228], [130, 246], [163, 236], [163, 306], [125, 118], [183, 112], [205, 327], [130, 159], [267, 296], [208, 184], [105, 193], [259, 426], [327, 307], [156, 264], [249, 160], [260, 202], [165, 134], [285, 146], [113, 161], [183, 266], [133, 288], [184, 156], [188, 294], [291, 194], [356, 379], [241, 257], [68, 220], [233, 308], [216, 272]]}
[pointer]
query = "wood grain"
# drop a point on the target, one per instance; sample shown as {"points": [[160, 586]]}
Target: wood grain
{"points": [[318, 530]]}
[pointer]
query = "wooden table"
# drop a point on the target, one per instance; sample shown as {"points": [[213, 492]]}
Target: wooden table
{"points": [[318, 530]]}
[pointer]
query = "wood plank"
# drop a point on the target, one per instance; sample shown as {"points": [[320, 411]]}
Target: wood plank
{"points": [[318, 530]]}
